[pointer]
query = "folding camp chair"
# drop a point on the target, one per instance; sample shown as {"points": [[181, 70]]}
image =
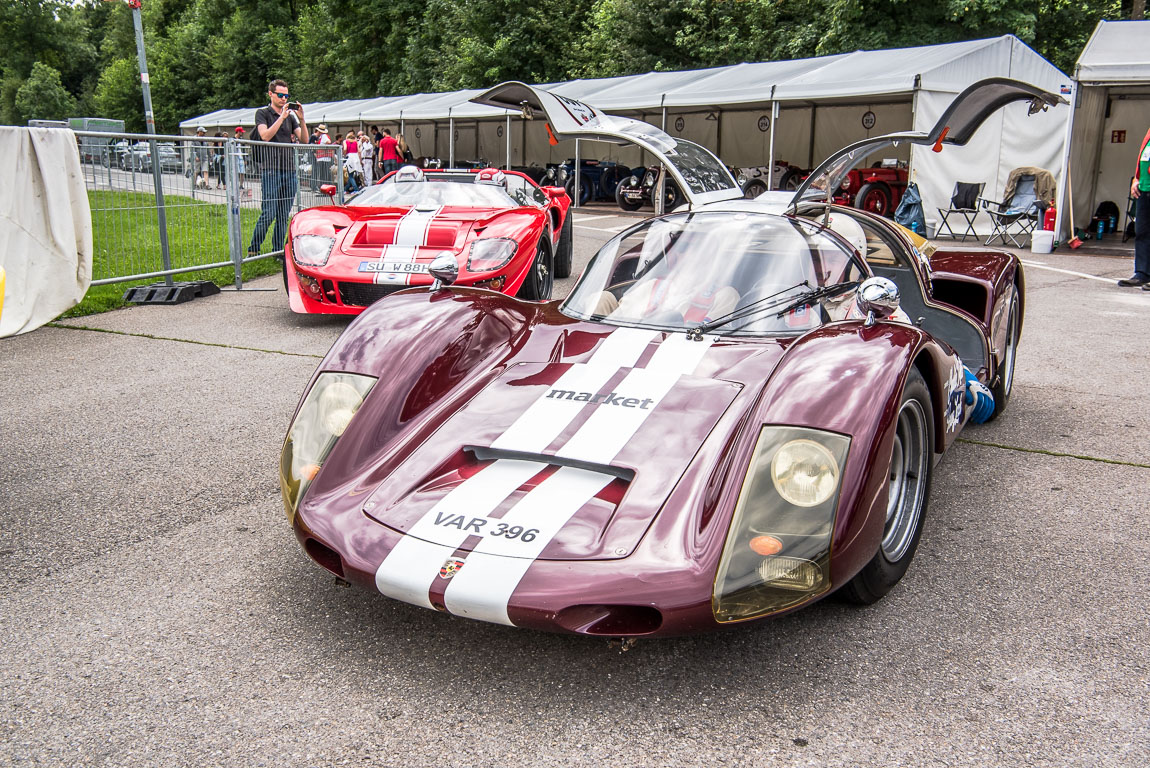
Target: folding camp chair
{"points": [[963, 202], [1016, 217]]}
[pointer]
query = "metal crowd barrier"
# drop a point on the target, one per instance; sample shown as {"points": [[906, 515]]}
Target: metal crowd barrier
{"points": [[169, 205]]}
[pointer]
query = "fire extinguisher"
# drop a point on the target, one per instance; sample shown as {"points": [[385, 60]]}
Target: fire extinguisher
{"points": [[1049, 217]]}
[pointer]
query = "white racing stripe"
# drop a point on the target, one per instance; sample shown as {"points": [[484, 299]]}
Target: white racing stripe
{"points": [[544, 419], [407, 572], [481, 589], [410, 232], [485, 591]]}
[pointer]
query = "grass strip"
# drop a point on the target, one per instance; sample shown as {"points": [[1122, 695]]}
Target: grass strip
{"points": [[69, 327], [1058, 454], [126, 241]]}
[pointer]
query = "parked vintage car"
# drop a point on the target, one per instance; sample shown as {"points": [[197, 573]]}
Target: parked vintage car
{"points": [[509, 234], [753, 179], [686, 442], [597, 180], [141, 157], [639, 189], [878, 189]]}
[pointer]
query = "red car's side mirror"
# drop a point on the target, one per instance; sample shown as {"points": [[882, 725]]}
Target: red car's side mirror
{"points": [[554, 191], [328, 189]]}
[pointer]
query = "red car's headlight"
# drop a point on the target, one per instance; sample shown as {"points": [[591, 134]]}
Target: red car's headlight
{"points": [[490, 254], [311, 250]]}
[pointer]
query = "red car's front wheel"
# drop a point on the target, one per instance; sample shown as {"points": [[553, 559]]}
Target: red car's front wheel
{"points": [[874, 196]]}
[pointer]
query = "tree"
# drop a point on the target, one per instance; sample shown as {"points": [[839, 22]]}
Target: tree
{"points": [[119, 96], [43, 97]]}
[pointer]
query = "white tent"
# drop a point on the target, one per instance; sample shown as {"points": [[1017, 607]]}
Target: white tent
{"points": [[1111, 115], [798, 111]]}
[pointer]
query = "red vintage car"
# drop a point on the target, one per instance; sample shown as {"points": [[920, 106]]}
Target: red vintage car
{"points": [[508, 233], [734, 414], [877, 189]]}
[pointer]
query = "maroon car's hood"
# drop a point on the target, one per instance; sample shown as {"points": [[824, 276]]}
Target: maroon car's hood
{"points": [[621, 435]]}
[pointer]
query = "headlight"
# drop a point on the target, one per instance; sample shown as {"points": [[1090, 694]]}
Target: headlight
{"points": [[322, 419], [490, 253], [741, 179], [777, 553], [846, 183], [311, 250], [805, 473], [562, 176]]}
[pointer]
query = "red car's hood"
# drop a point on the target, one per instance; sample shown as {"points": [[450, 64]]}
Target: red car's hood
{"points": [[607, 440]]}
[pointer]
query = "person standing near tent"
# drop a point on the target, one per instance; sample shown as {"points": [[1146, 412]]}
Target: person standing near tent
{"points": [[389, 153], [276, 124], [1140, 191]]}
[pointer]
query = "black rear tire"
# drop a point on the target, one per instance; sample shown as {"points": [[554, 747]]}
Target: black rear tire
{"points": [[791, 179], [540, 278], [565, 251], [753, 189], [586, 188], [908, 492]]}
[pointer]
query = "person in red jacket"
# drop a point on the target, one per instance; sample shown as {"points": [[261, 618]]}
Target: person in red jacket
{"points": [[1140, 191]]}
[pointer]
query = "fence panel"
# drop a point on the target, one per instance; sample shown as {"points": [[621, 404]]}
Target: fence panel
{"points": [[163, 205]]}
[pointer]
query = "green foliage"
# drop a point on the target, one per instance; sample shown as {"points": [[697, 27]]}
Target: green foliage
{"points": [[118, 94], [42, 96], [211, 54]]}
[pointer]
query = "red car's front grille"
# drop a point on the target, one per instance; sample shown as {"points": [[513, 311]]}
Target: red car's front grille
{"points": [[364, 294]]}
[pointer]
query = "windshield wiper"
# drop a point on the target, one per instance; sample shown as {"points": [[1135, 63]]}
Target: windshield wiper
{"points": [[818, 293], [802, 299], [754, 307]]}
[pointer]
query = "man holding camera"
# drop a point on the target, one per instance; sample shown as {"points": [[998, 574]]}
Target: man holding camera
{"points": [[276, 124]]}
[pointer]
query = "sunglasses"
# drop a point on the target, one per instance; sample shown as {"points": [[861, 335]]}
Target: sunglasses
{"points": [[283, 95]]}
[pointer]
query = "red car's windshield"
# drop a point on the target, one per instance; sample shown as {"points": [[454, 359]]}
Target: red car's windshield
{"points": [[451, 189]]}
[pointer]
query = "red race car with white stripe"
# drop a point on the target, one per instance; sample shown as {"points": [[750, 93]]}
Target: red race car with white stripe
{"points": [[735, 413], [507, 233]]}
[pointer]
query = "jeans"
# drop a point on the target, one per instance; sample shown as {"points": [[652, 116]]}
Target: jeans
{"points": [[279, 189], [1142, 235], [390, 165]]}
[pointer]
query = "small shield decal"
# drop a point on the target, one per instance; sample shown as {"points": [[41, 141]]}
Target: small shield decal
{"points": [[450, 568]]}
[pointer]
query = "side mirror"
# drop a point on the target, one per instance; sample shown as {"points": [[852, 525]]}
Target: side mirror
{"points": [[879, 298], [554, 192], [444, 269], [328, 189]]}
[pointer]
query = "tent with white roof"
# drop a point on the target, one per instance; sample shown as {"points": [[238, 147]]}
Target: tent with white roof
{"points": [[1111, 115], [798, 111]]}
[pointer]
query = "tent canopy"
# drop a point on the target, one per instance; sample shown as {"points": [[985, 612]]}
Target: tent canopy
{"points": [[859, 77], [1116, 53]]}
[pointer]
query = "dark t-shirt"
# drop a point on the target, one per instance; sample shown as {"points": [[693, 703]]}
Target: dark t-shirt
{"points": [[276, 159]]}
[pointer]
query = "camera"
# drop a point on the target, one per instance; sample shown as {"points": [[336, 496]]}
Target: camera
{"points": [[293, 105]]}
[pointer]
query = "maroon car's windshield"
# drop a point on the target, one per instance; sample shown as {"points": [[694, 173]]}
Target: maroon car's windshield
{"points": [[458, 189], [743, 273]]}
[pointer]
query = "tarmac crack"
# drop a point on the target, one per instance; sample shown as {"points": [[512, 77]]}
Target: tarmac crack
{"points": [[183, 341], [1058, 454]]}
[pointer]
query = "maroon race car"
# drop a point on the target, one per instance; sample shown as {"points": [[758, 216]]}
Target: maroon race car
{"points": [[735, 413], [508, 233]]}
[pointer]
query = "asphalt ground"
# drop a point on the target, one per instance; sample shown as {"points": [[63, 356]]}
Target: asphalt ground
{"points": [[156, 609]]}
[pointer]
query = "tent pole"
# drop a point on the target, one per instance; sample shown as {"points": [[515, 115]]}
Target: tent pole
{"points": [[507, 130], [811, 148], [450, 139], [1062, 198], [575, 202], [771, 140]]}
